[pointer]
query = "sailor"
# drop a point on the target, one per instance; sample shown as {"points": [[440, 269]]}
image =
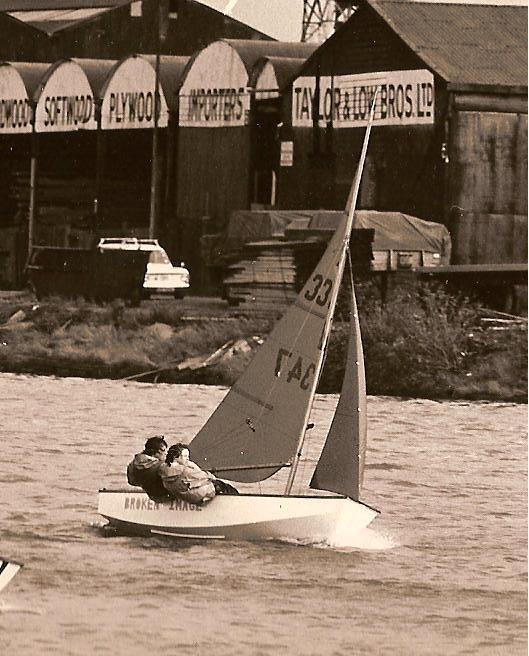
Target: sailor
{"points": [[144, 469], [185, 480]]}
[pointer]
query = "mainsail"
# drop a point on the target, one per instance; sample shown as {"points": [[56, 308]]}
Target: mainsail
{"points": [[260, 424]]}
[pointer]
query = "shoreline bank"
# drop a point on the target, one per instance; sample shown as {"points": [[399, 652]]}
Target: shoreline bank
{"points": [[433, 349]]}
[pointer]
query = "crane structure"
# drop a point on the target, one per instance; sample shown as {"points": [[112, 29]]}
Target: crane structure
{"points": [[322, 17]]}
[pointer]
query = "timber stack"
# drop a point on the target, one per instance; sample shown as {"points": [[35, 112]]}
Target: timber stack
{"points": [[270, 274]]}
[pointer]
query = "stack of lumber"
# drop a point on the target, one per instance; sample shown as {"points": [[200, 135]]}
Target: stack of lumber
{"points": [[68, 198], [63, 199], [270, 274]]}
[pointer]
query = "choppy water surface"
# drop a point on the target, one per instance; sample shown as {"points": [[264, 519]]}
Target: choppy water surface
{"points": [[441, 571]]}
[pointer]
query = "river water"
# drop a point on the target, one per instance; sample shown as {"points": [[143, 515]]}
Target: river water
{"points": [[441, 571]]}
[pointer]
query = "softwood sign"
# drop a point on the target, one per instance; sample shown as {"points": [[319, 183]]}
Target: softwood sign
{"points": [[343, 101], [65, 103], [128, 98], [15, 108]]}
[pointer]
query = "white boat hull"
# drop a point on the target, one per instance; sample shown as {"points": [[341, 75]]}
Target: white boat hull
{"points": [[243, 517]]}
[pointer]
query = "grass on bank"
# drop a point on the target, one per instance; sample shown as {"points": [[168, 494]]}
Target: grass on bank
{"points": [[430, 344], [66, 337], [420, 344]]}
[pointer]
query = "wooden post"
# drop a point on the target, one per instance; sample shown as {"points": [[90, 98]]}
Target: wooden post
{"points": [[274, 189], [33, 174], [153, 215], [168, 198], [100, 176]]}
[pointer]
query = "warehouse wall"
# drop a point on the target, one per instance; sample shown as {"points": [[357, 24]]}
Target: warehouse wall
{"points": [[212, 179], [488, 183], [404, 169]]}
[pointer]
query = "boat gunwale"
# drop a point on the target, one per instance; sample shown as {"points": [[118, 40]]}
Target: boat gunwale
{"points": [[248, 494]]}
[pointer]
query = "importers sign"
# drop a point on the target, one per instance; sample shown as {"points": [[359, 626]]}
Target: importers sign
{"points": [[214, 107], [344, 101], [214, 91]]}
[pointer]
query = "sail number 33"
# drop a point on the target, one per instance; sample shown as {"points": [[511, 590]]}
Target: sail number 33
{"points": [[321, 291], [299, 371]]}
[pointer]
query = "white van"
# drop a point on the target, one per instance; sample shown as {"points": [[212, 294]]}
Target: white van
{"points": [[161, 277]]}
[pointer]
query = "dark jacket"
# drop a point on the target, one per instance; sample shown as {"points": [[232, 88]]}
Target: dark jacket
{"points": [[144, 471]]}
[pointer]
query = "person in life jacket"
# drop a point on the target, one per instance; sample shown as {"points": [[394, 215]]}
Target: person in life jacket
{"points": [[144, 470], [185, 480]]}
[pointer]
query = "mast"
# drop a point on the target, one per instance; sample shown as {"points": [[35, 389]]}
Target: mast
{"points": [[350, 209]]}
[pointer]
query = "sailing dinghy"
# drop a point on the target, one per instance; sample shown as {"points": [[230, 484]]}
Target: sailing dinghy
{"points": [[8, 569], [260, 425]]}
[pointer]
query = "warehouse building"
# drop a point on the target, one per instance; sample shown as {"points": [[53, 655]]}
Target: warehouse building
{"points": [[98, 180], [449, 142], [223, 141]]}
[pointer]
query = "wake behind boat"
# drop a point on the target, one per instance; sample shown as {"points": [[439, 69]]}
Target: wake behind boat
{"points": [[260, 427]]}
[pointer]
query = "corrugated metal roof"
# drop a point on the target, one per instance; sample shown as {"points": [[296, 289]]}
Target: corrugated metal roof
{"points": [[97, 71], [251, 50], [54, 20], [171, 76], [33, 75], [463, 43], [285, 68], [44, 5]]}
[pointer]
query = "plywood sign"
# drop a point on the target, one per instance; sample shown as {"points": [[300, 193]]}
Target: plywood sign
{"points": [[128, 97]]}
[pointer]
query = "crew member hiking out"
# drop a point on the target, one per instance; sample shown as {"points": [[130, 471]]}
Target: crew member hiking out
{"points": [[144, 469], [185, 480]]}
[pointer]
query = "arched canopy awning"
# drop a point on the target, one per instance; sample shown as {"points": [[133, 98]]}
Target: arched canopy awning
{"points": [[171, 77], [271, 74], [127, 96], [61, 93], [250, 51], [97, 72], [216, 88], [15, 107]]}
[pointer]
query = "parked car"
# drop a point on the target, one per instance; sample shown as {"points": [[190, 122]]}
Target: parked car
{"points": [[161, 276]]}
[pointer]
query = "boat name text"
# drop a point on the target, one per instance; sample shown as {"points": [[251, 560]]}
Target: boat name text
{"points": [[144, 503]]}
